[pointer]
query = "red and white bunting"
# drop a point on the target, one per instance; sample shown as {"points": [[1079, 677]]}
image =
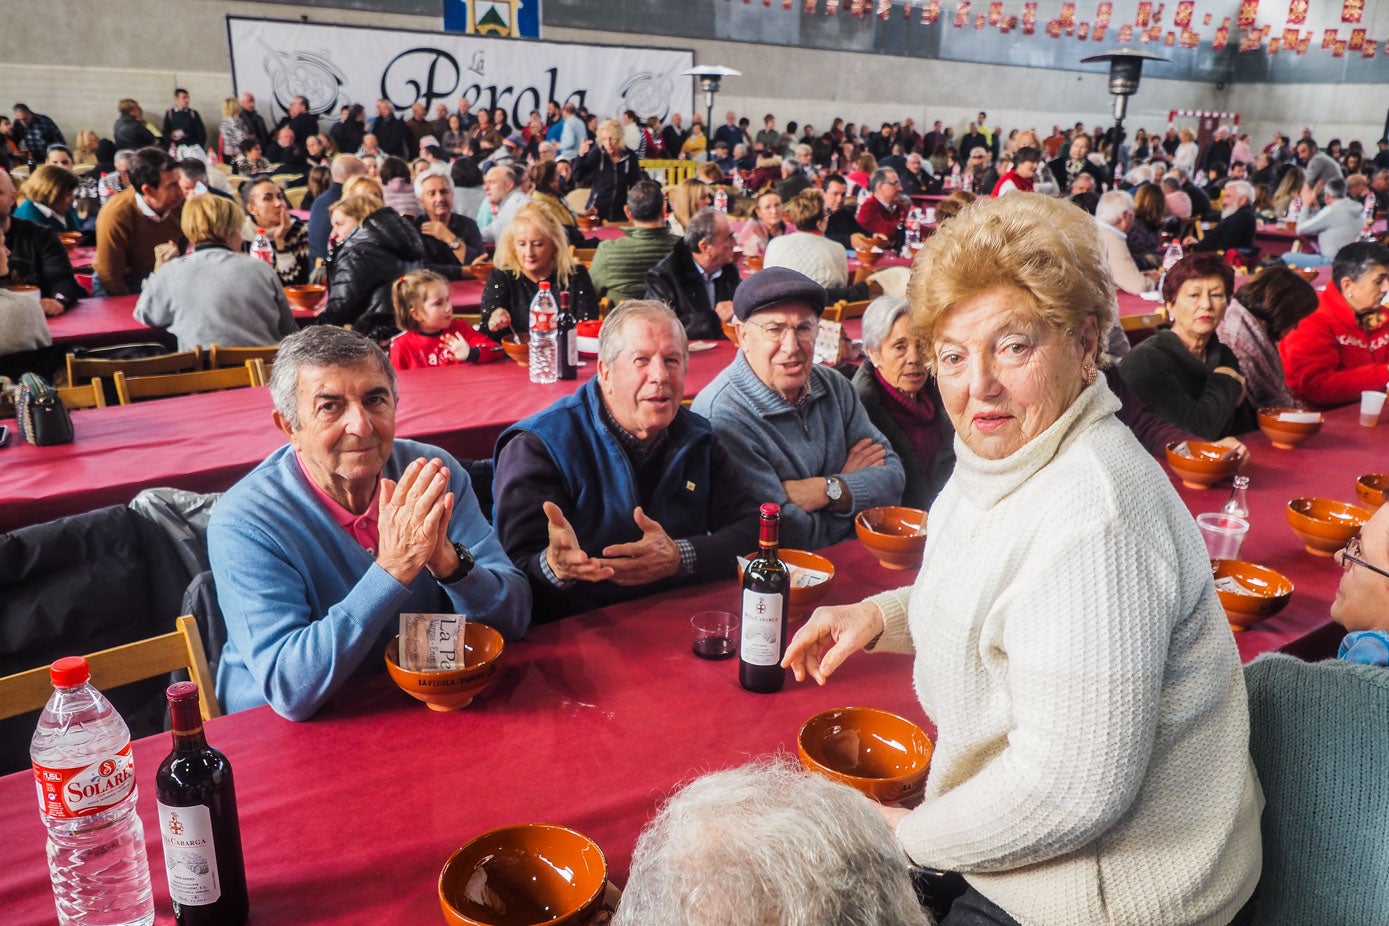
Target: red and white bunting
{"points": [[1290, 37], [1222, 36], [1125, 34], [831, 7], [1274, 44], [1248, 12], [1143, 18], [1297, 13], [1083, 31], [1029, 18], [1098, 33], [1357, 39], [1103, 14], [884, 9], [1184, 11], [1369, 50], [1328, 39], [980, 21], [1352, 11], [1170, 40], [1304, 43], [962, 14], [995, 13], [1068, 12], [1339, 49]]}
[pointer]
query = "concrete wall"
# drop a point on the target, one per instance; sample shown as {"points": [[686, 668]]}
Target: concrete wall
{"points": [[63, 60]]}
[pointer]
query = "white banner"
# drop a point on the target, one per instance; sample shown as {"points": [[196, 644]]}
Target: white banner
{"points": [[333, 66]]}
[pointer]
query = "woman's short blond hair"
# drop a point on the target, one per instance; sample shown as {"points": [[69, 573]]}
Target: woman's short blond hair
{"points": [[48, 184], [363, 185], [230, 108], [1048, 248], [356, 208], [610, 129], [544, 221], [210, 218], [805, 209]]}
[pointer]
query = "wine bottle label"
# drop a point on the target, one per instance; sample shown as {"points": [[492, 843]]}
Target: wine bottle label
{"points": [[66, 793], [190, 855], [761, 645]]}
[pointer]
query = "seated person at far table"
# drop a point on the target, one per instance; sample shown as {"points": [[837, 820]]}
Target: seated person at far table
{"points": [[37, 256], [135, 221], [617, 491], [1237, 222], [1362, 599], [1342, 349], [1115, 216], [318, 550], [883, 211], [842, 225], [620, 265], [1336, 224], [798, 430], [451, 241], [698, 278], [768, 843]]}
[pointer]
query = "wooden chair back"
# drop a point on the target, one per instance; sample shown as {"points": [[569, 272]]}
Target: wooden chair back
{"points": [[89, 396], [584, 255], [853, 309], [834, 313], [134, 388], [295, 195], [219, 356], [120, 665], [83, 368]]}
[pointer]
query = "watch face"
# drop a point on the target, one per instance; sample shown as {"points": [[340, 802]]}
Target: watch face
{"points": [[833, 489]]}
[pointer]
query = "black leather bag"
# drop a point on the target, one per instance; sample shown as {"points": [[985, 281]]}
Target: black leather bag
{"points": [[43, 418]]}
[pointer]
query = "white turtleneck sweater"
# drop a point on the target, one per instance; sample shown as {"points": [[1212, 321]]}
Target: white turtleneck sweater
{"points": [[1093, 760]]}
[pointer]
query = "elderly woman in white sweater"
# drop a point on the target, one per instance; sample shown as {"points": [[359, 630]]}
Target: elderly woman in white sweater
{"points": [[808, 251], [1092, 762]]}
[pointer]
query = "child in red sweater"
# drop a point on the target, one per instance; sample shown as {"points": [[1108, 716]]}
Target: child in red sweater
{"points": [[430, 336]]}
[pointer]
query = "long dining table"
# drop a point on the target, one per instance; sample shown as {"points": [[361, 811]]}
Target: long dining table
{"points": [[206, 442], [590, 723]]}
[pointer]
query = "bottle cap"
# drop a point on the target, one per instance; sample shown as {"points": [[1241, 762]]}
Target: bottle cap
{"points": [[545, 285], [182, 691], [771, 510], [260, 231], [69, 672]]}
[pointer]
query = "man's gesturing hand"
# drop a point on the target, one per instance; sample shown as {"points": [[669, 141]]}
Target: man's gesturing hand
{"points": [[413, 514], [650, 559], [567, 559]]}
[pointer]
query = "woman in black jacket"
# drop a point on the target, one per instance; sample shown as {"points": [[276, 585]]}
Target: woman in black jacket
{"points": [[375, 245], [533, 250], [610, 170], [130, 130]]}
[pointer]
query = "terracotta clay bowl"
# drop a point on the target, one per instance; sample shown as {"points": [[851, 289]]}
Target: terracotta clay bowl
{"points": [[803, 600], [1371, 489], [1203, 465], [895, 535], [306, 296], [869, 257], [585, 222], [872, 751], [451, 689], [754, 261], [1323, 525], [71, 240], [1287, 434], [1265, 592], [481, 271], [517, 347], [535, 874], [730, 332]]}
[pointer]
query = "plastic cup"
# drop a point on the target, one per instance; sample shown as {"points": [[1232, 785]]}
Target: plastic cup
{"points": [[715, 634], [1223, 533], [1371, 404], [930, 215]]}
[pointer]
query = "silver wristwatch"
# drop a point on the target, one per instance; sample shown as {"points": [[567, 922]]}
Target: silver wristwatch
{"points": [[834, 489]]}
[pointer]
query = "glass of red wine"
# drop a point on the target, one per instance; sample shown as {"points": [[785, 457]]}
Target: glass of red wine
{"points": [[715, 634]]}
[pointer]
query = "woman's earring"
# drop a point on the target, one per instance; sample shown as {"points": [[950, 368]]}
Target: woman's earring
{"points": [[1089, 372]]}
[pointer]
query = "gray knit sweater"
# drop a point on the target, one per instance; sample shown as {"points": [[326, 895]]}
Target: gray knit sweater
{"points": [[620, 265], [777, 441], [217, 296], [22, 324]]}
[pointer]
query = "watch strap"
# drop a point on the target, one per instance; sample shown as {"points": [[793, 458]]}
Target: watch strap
{"points": [[465, 565]]}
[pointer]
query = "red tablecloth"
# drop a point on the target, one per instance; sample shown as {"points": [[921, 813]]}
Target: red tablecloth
{"points": [[206, 442], [590, 723]]}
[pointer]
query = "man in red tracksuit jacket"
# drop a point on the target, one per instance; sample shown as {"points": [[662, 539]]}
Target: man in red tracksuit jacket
{"points": [[1342, 348]]}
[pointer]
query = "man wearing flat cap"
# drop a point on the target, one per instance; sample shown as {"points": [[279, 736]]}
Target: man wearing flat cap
{"points": [[800, 432]]}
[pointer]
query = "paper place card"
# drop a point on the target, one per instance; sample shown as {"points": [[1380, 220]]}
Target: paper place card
{"points": [[431, 642], [1229, 584], [1151, 296], [1300, 417], [827, 343]]}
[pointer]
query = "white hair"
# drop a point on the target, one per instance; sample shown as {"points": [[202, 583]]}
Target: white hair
{"points": [[1113, 206], [1139, 174], [1242, 189], [769, 843], [435, 169]]}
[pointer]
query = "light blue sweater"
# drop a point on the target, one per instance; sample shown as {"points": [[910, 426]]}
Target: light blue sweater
{"points": [[777, 441], [307, 607]]}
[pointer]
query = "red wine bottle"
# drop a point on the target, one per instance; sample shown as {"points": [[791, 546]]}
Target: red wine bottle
{"points": [[766, 598], [198, 823], [567, 328]]}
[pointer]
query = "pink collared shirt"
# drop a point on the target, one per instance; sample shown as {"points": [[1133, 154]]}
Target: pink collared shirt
{"points": [[363, 527]]}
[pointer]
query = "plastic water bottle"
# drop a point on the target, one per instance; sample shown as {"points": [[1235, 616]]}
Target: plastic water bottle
{"points": [[105, 189], [954, 181], [543, 355], [969, 181], [86, 785], [721, 200], [863, 195], [1295, 208], [913, 231], [262, 249], [1367, 218], [1170, 257]]}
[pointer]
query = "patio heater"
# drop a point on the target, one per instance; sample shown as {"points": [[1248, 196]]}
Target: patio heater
{"points": [[709, 77], [1125, 68]]}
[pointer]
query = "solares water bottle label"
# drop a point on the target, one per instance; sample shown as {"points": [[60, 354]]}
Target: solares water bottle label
{"points": [[66, 793], [190, 856], [761, 628]]}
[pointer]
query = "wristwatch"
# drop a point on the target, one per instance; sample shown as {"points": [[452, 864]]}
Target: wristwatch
{"points": [[465, 566], [455, 244], [834, 489]]}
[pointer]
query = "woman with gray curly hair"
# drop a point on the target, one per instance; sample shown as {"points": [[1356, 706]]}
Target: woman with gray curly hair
{"points": [[768, 843], [1092, 762], [902, 400]]}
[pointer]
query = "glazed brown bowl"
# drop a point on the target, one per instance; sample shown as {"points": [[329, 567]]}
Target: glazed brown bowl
{"points": [[869, 257], [730, 332], [1266, 592], [585, 222], [1309, 274], [1287, 434], [895, 535], [754, 261], [1323, 525], [1372, 489], [874, 752], [481, 271], [534, 874], [71, 240], [803, 599], [452, 689], [517, 347], [1203, 465], [306, 295]]}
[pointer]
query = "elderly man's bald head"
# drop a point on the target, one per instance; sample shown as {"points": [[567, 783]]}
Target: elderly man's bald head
{"points": [[347, 166]]}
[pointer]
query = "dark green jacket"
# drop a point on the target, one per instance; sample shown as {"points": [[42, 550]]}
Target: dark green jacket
{"points": [[620, 265]]}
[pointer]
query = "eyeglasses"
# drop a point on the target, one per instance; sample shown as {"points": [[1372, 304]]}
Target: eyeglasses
{"points": [[774, 333], [1351, 554]]}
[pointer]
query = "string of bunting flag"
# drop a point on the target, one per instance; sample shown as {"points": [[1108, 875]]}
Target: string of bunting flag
{"points": [[1147, 26]]}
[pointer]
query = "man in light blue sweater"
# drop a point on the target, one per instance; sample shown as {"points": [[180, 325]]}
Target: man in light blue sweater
{"points": [[798, 430], [318, 550]]}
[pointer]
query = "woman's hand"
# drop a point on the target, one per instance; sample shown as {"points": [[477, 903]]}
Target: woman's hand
{"points": [[831, 635], [499, 319]]}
